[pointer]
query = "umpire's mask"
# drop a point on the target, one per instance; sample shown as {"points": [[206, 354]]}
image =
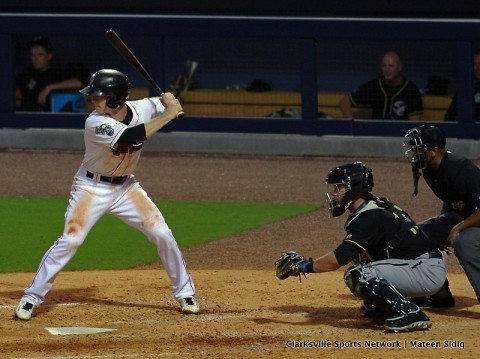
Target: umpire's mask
{"points": [[420, 140]]}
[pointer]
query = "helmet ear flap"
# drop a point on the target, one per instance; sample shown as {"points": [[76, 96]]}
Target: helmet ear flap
{"points": [[113, 102]]}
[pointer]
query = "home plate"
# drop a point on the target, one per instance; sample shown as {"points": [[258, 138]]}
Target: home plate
{"points": [[77, 330]]}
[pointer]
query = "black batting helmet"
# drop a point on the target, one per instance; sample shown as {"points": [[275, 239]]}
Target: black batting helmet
{"points": [[347, 183], [111, 83]]}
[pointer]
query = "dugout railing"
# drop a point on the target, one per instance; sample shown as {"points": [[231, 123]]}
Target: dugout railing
{"points": [[464, 33]]}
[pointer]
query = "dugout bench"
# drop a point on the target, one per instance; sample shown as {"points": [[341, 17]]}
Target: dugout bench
{"points": [[259, 104], [233, 103]]}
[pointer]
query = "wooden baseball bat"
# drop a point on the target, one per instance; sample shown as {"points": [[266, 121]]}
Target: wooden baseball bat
{"points": [[130, 57]]}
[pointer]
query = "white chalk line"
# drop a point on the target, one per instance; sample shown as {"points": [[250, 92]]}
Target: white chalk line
{"points": [[110, 356], [249, 314], [46, 305], [100, 302]]}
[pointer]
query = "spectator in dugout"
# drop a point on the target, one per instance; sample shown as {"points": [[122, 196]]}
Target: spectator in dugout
{"points": [[391, 96], [35, 83], [452, 112]]}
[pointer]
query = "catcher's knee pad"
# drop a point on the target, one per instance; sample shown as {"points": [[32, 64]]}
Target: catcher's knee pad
{"points": [[352, 278], [383, 295]]}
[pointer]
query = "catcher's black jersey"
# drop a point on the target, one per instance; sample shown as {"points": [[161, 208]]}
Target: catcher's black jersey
{"points": [[387, 102], [456, 183], [372, 231]]}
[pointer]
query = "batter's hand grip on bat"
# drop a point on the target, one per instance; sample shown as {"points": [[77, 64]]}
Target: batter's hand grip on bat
{"points": [[130, 57]]}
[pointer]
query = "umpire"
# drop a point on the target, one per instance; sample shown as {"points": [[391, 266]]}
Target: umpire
{"points": [[393, 259], [455, 180]]}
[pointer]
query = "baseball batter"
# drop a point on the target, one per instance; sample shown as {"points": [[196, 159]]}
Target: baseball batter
{"points": [[104, 183]]}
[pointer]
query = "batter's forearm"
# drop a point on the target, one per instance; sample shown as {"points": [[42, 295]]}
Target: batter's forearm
{"points": [[157, 123], [173, 109]]}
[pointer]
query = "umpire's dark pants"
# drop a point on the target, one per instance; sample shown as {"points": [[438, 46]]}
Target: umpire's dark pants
{"points": [[466, 247]]}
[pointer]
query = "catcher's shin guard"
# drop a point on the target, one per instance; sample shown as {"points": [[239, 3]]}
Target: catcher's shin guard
{"points": [[383, 295]]}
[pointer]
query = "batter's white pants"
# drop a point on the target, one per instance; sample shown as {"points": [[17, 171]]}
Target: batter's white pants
{"points": [[90, 200]]}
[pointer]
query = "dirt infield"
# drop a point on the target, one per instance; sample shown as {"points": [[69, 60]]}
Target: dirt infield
{"points": [[246, 311]]}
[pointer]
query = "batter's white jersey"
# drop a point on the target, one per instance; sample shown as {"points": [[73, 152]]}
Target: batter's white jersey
{"points": [[104, 183], [102, 133]]}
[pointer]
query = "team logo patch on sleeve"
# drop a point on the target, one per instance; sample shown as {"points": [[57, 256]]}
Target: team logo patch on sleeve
{"points": [[104, 129]]}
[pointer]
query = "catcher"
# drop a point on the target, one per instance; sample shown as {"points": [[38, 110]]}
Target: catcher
{"points": [[393, 260]]}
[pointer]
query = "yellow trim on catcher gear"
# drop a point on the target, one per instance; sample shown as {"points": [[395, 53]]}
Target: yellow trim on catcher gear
{"points": [[349, 240]]}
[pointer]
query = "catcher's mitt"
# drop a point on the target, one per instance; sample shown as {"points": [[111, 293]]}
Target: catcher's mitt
{"points": [[293, 264]]}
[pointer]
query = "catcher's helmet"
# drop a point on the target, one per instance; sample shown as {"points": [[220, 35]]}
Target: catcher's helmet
{"points": [[111, 83], [420, 139], [347, 183]]}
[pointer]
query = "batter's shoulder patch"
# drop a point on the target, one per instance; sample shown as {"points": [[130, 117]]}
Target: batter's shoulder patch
{"points": [[104, 129]]}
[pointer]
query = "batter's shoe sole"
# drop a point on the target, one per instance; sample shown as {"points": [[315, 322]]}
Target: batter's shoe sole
{"points": [[24, 310], [189, 305], [408, 323]]}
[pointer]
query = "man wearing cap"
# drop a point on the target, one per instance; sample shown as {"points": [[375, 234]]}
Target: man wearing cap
{"points": [[455, 180], [36, 82]]}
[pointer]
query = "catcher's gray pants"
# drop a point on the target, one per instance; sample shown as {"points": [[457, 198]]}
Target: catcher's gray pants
{"points": [[466, 247], [419, 277]]}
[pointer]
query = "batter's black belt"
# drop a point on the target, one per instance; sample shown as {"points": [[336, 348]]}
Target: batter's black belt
{"points": [[114, 180], [435, 254]]}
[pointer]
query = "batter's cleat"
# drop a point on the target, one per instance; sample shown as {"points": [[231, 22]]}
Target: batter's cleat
{"points": [[24, 310], [409, 322], [189, 305]]}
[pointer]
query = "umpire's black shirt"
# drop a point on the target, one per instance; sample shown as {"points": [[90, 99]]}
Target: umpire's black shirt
{"points": [[456, 183]]}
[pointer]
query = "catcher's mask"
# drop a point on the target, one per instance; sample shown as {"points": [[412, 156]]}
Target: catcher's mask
{"points": [[420, 140], [345, 184], [110, 83]]}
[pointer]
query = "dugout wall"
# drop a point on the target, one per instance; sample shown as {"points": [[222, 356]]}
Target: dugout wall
{"points": [[155, 37]]}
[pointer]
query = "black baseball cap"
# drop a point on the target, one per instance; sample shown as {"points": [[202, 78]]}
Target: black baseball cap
{"points": [[40, 41]]}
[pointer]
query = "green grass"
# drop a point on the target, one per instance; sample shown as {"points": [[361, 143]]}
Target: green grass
{"points": [[29, 226]]}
